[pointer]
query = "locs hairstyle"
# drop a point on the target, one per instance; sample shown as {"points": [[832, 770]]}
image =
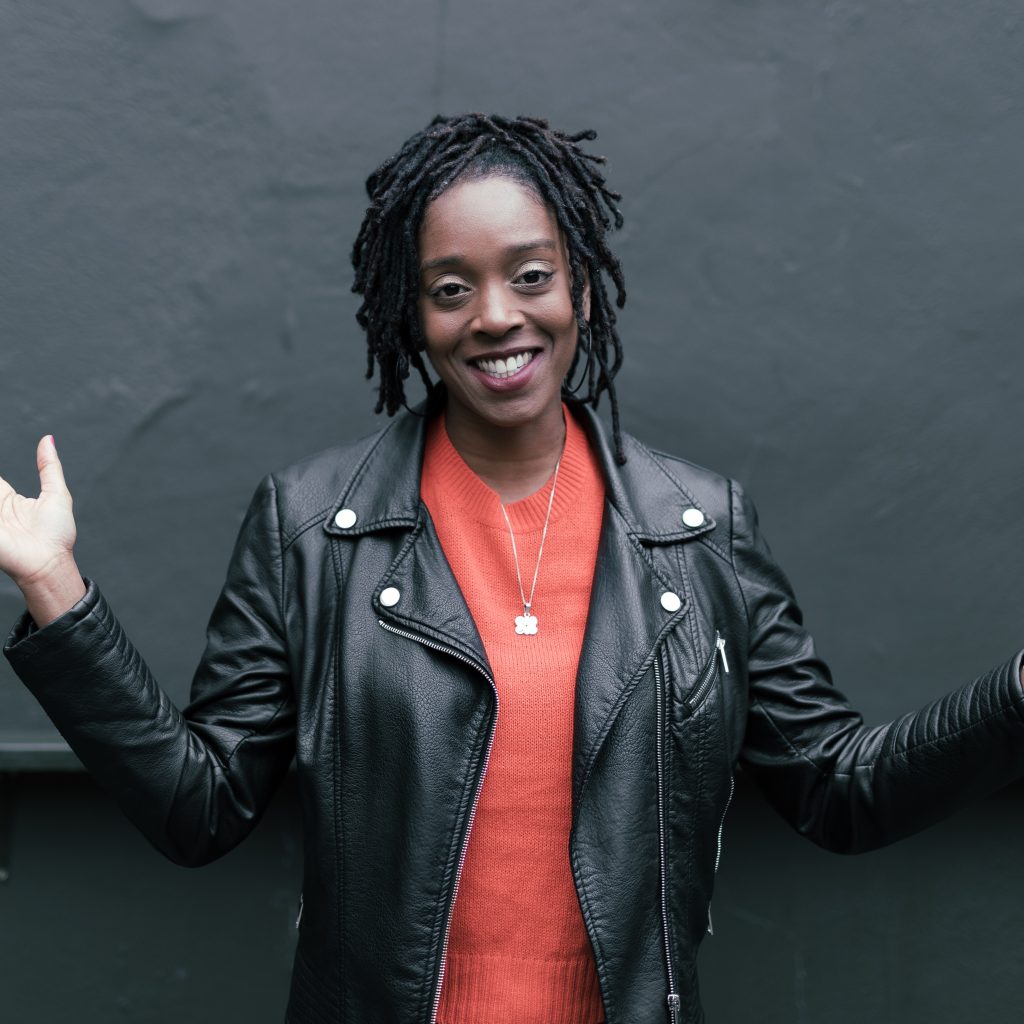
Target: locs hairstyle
{"points": [[526, 149]]}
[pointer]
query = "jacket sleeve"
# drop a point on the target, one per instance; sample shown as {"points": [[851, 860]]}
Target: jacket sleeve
{"points": [[847, 787], [195, 782]]}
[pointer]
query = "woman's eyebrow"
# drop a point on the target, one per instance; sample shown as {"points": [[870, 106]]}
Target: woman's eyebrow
{"points": [[513, 250]]}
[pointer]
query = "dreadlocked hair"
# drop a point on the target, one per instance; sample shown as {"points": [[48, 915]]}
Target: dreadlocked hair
{"points": [[527, 150]]}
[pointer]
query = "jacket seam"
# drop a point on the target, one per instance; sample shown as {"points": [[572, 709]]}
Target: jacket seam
{"points": [[687, 592], [669, 748], [339, 858], [303, 527], [256, 731], [599, 959], [903, 752], [732, 551], [264, 726], [733, 512], [793, 748], [280, 558], [998, 713], [657, 462], [708, 542]]}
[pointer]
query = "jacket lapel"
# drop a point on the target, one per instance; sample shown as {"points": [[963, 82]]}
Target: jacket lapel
{"points": [[383, 492], [627, 619], [431, 603]]}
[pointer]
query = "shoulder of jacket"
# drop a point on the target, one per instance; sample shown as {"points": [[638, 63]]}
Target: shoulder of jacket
{"points": [[308, 487], [710, 490]]}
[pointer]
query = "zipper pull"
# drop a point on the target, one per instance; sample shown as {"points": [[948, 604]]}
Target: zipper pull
{"points": [[299, 918], [673, 1006], [711, 927], [720, 644]]}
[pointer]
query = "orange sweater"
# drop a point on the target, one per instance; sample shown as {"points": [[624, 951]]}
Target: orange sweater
{"points": [[518, 950]]}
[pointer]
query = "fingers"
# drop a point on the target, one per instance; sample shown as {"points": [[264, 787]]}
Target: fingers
{"points": [[51, 474]]}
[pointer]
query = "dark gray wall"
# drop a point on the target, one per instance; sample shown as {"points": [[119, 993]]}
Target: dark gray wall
{"points": [[823, 246]]}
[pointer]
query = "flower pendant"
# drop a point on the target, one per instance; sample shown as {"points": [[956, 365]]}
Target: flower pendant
{"points": [[526, 624]]}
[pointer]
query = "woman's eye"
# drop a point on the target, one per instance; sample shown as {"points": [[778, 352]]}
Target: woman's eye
{"points": [[535, 277], [448, 290]]}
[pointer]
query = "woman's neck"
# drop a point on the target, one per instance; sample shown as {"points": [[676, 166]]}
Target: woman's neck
{"points": [[514, 461]]}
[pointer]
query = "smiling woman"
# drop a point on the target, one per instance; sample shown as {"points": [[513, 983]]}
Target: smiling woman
{"points": [[499, 326], [513, 818]]}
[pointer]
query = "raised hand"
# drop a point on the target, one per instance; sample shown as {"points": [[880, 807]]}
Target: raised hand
{"points": [[37, 539]]}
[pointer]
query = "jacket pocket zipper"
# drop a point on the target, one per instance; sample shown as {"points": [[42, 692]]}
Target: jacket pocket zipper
{"points": [[476, 796], [700, 691], [299, 916], [673, 996]]}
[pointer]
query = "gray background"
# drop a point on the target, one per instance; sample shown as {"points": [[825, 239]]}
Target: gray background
{"points": [[823, 248]]}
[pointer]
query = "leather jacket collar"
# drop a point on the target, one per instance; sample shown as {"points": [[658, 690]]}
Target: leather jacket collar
{"points": [[385, 485]]}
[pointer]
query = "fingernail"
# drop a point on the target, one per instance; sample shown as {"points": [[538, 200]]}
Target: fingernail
{"points": [[53, 443]]}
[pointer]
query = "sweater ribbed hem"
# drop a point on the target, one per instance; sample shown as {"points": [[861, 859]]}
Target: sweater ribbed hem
{"points": [[497, 990]]}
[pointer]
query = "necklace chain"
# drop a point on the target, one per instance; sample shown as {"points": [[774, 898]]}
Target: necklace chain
{"points": [[528, 624]]}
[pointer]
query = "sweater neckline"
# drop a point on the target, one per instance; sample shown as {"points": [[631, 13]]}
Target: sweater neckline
{"points": [[459, 486]]}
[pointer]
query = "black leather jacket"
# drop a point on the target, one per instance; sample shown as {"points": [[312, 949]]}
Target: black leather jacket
{"points": [[389, 712]]}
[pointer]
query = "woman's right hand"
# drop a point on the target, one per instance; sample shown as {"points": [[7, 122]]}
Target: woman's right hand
{"points": [[37, 535]]}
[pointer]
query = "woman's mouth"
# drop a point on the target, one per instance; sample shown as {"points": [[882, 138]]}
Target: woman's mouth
{"points": [[500, 369]]}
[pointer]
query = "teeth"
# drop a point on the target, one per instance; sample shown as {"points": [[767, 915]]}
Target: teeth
{"points": [[502, 368]]}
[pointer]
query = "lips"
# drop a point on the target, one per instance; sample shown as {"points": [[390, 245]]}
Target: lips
{"points": [[501, 367], [507, 371]]}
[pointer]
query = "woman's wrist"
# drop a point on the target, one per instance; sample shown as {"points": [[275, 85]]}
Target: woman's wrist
{"points": [[49, 595]]}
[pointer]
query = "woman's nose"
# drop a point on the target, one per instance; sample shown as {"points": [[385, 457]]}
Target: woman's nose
{"points": [[497, 312]]}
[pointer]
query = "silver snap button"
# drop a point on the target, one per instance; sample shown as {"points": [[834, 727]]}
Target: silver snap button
{"points": [[670, 602], [346, 519], [389, 597], [693, 517]]}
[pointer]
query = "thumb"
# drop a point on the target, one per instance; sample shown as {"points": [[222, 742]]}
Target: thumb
{"points": [[51, 475]]}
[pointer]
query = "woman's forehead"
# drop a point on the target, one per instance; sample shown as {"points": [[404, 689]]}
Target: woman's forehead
{"points": [[486, 213]]}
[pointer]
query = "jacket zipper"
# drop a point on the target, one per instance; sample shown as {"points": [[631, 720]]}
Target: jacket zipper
{"points": [[299, 917], [476, 796], [718, 851], [720, 646], [673, 996]]}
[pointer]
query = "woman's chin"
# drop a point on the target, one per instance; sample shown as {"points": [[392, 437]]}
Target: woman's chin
{"points": [[508, 410]]}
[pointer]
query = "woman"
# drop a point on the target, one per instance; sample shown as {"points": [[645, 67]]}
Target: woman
{"points": [[516, 661]]}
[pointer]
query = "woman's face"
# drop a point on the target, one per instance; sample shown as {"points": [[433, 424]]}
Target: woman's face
{"points": [[494, 304]]}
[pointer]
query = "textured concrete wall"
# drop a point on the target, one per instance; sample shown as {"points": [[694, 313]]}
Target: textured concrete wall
{"points": [[823, 247]]}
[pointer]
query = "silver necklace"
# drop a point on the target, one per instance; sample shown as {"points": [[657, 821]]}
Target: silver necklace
{"points": [[526, 624]]}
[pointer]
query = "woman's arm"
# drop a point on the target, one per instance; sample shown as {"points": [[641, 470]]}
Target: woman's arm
{"points": [[194, 781], [848, 787]]}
